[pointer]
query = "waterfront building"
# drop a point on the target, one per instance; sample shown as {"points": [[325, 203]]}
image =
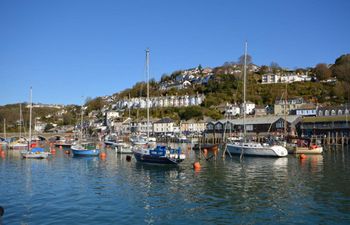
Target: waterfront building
{"points": [[333, 110], [193, 126], [330, 126], [254, 125], [282, 107], [164, 126]]}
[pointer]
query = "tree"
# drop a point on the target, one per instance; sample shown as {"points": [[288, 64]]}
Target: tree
{"points": [[191, 112], [200, 68], [275, 67], [95, 104], [165, 77], [263, 69], [341, 68], [322, 71]]}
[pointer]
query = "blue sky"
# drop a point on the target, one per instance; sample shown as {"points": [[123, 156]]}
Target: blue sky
{"points": [[67, 49]]}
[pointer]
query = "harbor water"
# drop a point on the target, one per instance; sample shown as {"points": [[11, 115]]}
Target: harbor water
{"points": [[112, 190]]}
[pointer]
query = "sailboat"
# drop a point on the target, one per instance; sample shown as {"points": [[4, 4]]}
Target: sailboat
{"points": [[33, 151], [147, 153], [3, 141], [249, 148], [84, 148], [19, 143]]}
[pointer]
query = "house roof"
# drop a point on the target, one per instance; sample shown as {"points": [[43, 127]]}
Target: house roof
{"points": [[261, 120], [165, 120]]}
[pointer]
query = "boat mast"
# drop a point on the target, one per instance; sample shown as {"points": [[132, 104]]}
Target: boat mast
{"points": [[285, 108], [147, 74], [244, 89], [81, 124], [5, 128], [30, 117], [20, 120]]}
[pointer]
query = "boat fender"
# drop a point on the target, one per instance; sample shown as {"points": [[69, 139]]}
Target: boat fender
{"points": [[302, 156], [103, 155], [196, 165], [2, 211], [128, 158], [313, 146]]}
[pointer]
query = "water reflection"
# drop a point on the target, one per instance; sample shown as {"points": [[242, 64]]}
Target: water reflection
{"points": [[225, 191]]}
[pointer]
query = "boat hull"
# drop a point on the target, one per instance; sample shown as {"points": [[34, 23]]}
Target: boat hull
{"points": [[63, 145], [123, 149], [305, 150], [35, 153], [155, 159], [83, 152], [268, 151], [35, 156]]}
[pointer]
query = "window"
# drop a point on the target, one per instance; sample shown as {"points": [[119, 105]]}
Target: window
{"points": [[320, 113], [249, 127], [340, 112], [218, 126], [326, 113], [333, 112], [280, 124]]}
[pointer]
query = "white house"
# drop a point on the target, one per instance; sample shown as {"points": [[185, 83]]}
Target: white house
{"points": [[163, 126], [232, 109], [249, 109], [110, 115]]}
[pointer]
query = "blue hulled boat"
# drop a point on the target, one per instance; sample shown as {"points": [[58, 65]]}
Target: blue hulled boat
{"points": [[85, 149]]}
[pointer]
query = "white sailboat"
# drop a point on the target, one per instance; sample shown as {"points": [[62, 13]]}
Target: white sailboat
{"points": [[33, 151], [146, 153], [248, 148], [21, 143], [3, 141]]}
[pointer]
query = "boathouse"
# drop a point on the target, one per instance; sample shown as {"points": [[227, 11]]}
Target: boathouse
{"points": [[254, 126], [325, 126]]}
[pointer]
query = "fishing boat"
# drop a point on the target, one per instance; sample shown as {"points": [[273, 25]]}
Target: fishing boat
{"points": [[84, 148], [123, 148], [250, 148], [158, 155], [208, 147], [19, 144], [142, 139], [146, 153], [303, 146], [33, 151]]}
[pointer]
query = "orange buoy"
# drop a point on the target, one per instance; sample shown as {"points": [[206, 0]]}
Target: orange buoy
{"points": [[3, 154], [302, 156], [60, 146], [103, 155], [67, 152], [53, 151], [196, 166]]}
